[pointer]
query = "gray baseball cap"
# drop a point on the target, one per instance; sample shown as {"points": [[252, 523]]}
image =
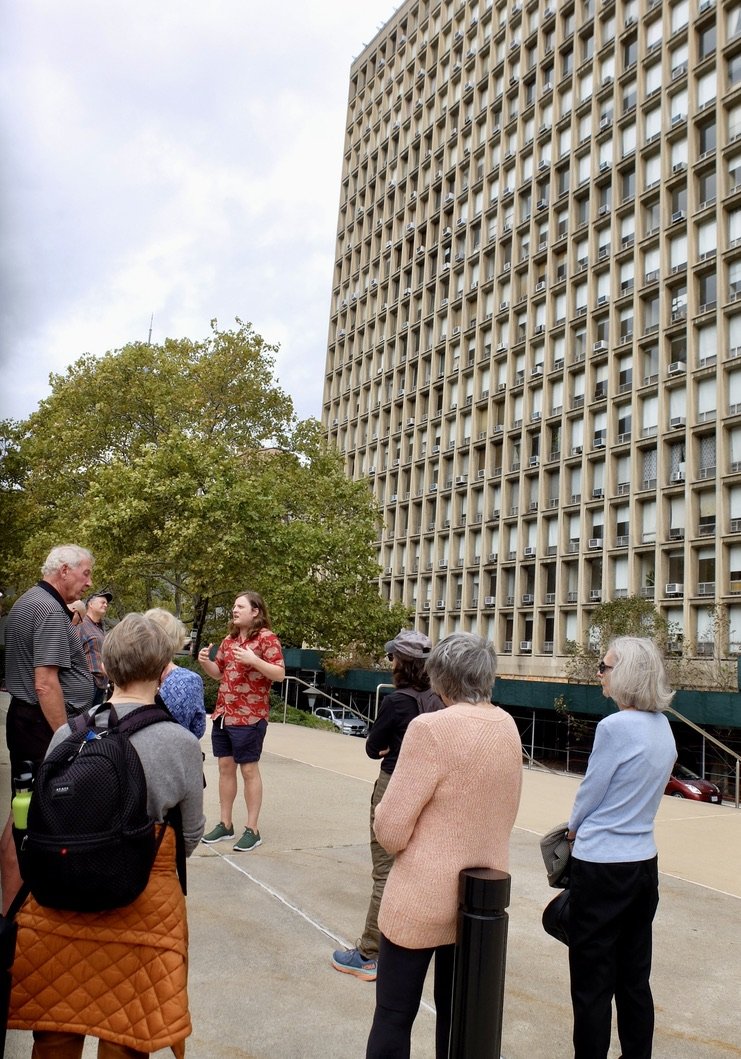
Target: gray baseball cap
{"points": [[104, 593], [409, 644]]}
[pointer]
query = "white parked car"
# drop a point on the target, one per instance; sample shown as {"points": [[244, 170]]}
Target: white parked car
{"points": [[346, 721]]}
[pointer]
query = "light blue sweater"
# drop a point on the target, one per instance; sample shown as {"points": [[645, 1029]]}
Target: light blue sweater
{"points": [[616, 804]]}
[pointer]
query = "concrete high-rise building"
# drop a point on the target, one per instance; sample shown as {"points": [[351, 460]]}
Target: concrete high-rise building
{"points": [[535, 341]]}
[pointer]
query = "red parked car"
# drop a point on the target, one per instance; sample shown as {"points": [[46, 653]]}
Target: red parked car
{"points": [[684, 783]]}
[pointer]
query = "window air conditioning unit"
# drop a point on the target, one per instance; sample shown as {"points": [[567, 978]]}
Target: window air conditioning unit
{"points": [[528, 598], [674, 589], [598, 346], [597, 494], [577, 450], [595, 595], [441, 604], [488, 601], [526, 645], [599, 443], [595, 542], [678, 421], [677, 476]]}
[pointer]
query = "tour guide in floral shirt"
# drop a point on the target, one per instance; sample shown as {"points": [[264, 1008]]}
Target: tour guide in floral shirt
{"points": [[247, 663]]}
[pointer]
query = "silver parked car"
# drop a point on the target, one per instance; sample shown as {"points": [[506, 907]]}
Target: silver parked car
{"points": [[347, 722]]}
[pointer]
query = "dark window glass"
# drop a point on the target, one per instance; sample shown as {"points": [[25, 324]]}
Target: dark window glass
{"points": [[707, 41]]}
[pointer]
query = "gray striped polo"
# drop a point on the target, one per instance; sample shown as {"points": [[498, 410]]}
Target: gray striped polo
{"points": [[39, 633]]}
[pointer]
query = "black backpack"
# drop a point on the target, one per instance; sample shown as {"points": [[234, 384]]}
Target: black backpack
{"points": [[428, 701], [90, 843]]}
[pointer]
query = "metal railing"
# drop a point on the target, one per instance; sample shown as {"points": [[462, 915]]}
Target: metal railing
{"points": [[717, 742], [378, 697], [581, 753], [317, 693]]}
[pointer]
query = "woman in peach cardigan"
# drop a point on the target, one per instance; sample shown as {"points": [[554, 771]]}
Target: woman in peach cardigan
{"points": [[450, 804]]}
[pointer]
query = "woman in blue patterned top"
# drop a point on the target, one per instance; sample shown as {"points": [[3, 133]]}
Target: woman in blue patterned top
{"points": [[181, 689]]}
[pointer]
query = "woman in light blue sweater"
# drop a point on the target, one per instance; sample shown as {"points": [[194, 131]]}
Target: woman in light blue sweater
{"points": [[614, 876]]}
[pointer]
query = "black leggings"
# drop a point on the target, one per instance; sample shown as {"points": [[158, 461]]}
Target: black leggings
{"points": [[401, 976]]}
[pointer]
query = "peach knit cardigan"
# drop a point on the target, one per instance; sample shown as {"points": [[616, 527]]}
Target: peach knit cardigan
{"points": [[451, 803]]}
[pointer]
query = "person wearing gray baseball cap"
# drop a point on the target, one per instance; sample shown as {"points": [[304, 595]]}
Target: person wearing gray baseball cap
{"points": [[409, 644], [92, 634], [407, 652]]}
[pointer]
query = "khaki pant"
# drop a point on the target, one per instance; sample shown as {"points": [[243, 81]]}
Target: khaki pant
{"points": [[48, 1045], [382, 861]]}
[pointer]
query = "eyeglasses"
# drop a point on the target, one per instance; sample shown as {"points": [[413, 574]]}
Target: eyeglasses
{"points": [[603, 667]]}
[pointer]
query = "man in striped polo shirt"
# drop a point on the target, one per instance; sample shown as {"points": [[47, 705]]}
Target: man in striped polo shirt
{"points": [[46, 673]]}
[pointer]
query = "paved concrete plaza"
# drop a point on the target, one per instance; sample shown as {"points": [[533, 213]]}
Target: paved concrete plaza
{"points": [[263, 924]]}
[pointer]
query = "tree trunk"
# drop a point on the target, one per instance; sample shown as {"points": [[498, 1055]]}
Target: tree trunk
{"points": [[200, 609]]}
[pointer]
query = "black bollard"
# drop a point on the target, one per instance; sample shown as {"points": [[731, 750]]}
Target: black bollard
{"points": [[480, 957]]}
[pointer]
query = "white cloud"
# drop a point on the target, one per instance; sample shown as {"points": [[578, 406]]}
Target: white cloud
{"points": [[176, 158]]}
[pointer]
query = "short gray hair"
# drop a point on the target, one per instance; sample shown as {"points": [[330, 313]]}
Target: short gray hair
{"points": [[172, 626], [462, 668], [638, 677], [65, 555]]}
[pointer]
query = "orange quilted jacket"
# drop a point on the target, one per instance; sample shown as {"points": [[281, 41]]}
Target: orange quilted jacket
{"points": [[119, 975]]}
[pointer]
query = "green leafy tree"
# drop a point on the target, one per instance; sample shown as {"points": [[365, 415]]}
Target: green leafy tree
{"points": [[182, 467], [636, 616], [12, 498]]}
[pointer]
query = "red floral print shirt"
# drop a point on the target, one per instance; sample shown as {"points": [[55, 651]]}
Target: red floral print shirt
{"points": [[244, 693]]}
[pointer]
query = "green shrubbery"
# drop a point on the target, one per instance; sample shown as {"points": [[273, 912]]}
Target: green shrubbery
{"points": [[295, 716]]}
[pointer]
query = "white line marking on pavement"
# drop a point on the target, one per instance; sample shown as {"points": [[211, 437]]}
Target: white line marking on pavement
{"points": [[713, 889], [299, 912], [668, 874], [323, 768]]}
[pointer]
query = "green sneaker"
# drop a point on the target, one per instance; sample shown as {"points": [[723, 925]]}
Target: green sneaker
{"points": [[220, 832], [249, 840]]}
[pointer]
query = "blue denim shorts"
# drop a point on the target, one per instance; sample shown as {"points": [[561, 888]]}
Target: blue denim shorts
{"points": [[243, 742]]}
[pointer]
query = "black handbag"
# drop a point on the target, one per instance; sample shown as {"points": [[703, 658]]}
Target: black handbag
{"points": [[556, 917], [556, 850]]}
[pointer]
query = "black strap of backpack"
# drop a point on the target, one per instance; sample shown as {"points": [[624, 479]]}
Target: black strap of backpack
{"points": [[17, 902], [134, 721], [174, 818], [139, 718]]}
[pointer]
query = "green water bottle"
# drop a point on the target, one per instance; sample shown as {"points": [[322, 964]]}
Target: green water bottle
{"points": [[22, 785]]}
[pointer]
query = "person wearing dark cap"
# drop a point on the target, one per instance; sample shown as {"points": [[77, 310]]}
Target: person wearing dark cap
{"points": [[412, 696], [92, 634]]}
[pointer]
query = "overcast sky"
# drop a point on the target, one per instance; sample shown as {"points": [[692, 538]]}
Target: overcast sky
{"points": [[174, 157]]}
